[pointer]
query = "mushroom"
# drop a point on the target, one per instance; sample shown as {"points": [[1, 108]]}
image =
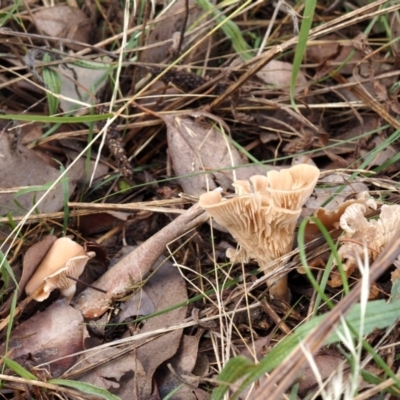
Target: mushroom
{"points": [[375, 234], [262, 217], [331, 218], [65, 258]]}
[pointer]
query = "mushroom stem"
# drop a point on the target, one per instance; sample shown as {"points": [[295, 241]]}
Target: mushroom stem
{"points": [[278, 287]]}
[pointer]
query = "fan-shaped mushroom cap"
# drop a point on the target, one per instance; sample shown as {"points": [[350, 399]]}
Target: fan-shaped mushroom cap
{"points": [[290, 188], [60, 279], [65, 257], [262, 218], [353, 219]]}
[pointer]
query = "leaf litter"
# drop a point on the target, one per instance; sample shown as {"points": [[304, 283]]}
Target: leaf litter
{"points": [[195, 112]]}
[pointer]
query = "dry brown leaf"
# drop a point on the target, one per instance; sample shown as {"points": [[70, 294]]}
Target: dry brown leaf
{"points": [[165, 34], [387, 152], [23, 167], [64, 22], [182, 365], [139, 304], [81, 83], [32, 259], [279, 74], [168, 286], [109, 372], [329, 363], [327, 47], [53, 334], [326, 364], [369, 86], [195, 146]]}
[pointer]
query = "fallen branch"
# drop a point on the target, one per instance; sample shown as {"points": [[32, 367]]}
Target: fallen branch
{"points": [[133, 268]]}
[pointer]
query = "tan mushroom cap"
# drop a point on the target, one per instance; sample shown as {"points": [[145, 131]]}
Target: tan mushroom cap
{"points": [[290, 188], [60, 279], [65, 257]]}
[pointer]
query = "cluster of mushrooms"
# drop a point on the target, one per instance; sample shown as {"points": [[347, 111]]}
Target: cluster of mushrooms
{"points": [[262, 217]]}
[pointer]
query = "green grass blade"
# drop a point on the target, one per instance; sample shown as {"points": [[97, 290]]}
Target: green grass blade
{"points": [[57, 120], [19, 369], [230, 29], [52, 80], [6, 269], [234, 369], [11, 321], [85, 388], [306, 23], [33, 189]]}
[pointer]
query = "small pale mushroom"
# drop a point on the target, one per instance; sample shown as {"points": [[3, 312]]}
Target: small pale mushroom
{"points": [[262, 217], [331, 218], [375, 234], [65, 258]]}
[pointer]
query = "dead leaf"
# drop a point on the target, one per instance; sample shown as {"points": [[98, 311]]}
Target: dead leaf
{"points": [[82, 83], [168, 286], [333, 182], [140, 303], [327, 364], [182, 364], [196, 146], [64, 22], [51, 335], [366, 80], [387, 152], [106, 369], [22, 167], [327, 47], [166, 33], [279, 74]]}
